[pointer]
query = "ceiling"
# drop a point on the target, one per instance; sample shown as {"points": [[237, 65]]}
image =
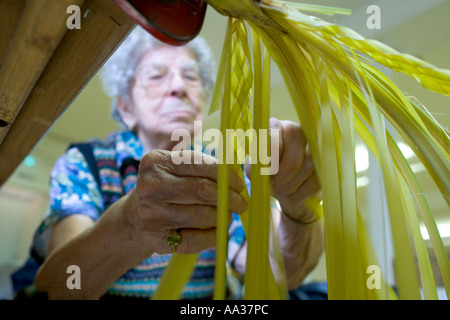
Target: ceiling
{"points": [[417, 27]]}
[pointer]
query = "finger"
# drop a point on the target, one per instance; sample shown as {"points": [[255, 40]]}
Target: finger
{"points": [[307, 189], [293, 155], [192, 241], [203, 191], [299, 178], [199, 164], [191, 216]]}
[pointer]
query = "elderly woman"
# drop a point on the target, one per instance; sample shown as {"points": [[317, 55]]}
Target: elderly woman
{"points": [[114, 206]]}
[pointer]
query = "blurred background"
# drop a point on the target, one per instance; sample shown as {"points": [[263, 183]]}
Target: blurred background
{"points": [[417, 27]]}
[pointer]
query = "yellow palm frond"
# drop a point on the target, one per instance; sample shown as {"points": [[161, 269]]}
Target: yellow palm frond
{"points": [[338, 96]]}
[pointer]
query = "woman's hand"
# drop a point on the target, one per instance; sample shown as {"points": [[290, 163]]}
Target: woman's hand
{"points": [[296, 179], [170, 197]]}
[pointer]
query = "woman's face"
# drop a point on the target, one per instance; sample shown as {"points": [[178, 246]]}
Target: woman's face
{"points": [[167, 92]]}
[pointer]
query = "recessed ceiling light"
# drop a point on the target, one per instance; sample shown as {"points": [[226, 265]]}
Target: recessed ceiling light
{"points": [[361, 158], [443, 228], [408, 153]]}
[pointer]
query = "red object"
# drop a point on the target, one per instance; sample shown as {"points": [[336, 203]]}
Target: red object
{"points": [[174, 22]]}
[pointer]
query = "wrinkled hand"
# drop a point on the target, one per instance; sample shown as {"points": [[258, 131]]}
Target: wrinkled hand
{"points": [[295, 180], [170, 197]]}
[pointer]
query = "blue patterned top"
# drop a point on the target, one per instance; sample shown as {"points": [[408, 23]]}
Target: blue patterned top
{"points": [[74, 190]]}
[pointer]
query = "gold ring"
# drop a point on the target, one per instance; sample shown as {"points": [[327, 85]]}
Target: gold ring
{"points": [[174, 239]]}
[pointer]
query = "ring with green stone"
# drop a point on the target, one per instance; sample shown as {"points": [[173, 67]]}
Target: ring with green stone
{"points": [[174, 239]]}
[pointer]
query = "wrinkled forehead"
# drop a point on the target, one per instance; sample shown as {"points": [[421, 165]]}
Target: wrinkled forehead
{"points": [[167, 56]]}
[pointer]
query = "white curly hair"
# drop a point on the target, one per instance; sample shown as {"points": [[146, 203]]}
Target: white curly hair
{"points": [[118, 72]]}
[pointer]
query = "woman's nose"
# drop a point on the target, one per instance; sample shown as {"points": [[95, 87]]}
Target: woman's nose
{"points": [[177, 86]]}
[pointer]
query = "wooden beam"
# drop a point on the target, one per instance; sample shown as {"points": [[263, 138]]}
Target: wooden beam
{"points": [[11, 12], [75, 61], [41, 29]]}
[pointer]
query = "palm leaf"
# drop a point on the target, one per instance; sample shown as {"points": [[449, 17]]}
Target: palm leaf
{"points": [[338, 95], [319, 59]]}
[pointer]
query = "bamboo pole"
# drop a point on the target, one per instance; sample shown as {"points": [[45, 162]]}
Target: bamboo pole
{"points": [[78, 57], [11, 12], [41, 29]]}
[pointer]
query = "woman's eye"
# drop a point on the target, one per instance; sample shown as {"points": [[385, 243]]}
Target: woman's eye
{"points": [[155, 74], [155, 77], [191, 77]]}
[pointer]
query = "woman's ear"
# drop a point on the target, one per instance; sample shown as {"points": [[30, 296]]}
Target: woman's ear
{"points": [[126, 113]]}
